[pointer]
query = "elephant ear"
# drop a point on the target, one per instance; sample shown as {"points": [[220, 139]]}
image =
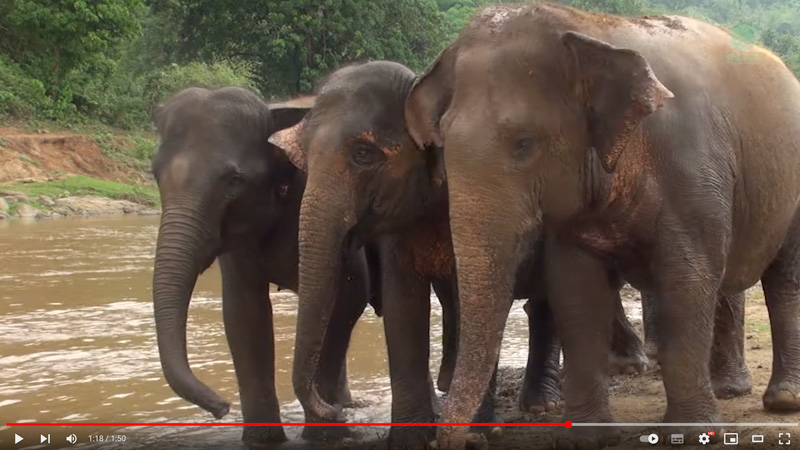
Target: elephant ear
{"points": [[429, 99], [290, 119], [618, 89]]}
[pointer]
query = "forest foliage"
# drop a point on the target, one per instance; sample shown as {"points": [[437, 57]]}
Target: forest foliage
{"points": [[113, 61]]}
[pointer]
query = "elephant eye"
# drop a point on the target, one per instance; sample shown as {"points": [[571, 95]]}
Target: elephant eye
{"points": [[365, 155], [523, 146]]}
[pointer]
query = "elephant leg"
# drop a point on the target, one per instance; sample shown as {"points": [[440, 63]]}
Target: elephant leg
{"points": [[541, 387], [650, 326], [730, 376], [487, 411], [445, 292], [781, 284], [247, 313], [332, 376], [582, 302], [627, 353], [686, 300], [406, 320]]}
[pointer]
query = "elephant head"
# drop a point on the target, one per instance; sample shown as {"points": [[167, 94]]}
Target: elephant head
{"points": [[218, 178], [365, 176], [528, 110]]}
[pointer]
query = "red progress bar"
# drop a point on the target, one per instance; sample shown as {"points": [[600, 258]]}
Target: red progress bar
{"points": [[566, 424]]}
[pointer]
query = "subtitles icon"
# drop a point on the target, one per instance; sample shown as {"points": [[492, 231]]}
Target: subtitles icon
{"points": [[676, 439]]}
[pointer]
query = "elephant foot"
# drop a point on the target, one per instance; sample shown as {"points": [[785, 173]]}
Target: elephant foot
{"points": [[731, 384], [782, 397], [325, 434], [445, 376], [544, 398], [410, 438], [457, 440], [586, 438], [342, 395], [627, 364], [651, 351], [263, 437]]}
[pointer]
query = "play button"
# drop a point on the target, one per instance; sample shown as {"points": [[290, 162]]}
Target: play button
{"points": [[17, 438]]}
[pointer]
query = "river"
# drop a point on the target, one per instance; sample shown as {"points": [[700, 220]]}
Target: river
{"points": [[78, 339]]}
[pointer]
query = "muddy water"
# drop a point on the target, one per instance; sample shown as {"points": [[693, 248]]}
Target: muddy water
{"points": [[77, 339]]}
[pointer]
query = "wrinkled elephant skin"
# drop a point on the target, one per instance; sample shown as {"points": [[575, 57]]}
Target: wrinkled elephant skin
{"points": [[636, 144], [364, 167], [228, 194]]}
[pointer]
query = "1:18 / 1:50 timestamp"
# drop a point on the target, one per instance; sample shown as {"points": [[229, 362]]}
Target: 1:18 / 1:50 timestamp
{"points": [[107, 438]]}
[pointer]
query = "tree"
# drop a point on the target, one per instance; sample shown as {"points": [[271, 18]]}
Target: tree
{"points": [[294, 42], [51, 39]]}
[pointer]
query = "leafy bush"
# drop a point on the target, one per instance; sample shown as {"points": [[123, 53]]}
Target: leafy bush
{"points": [[20, 95], [164, 83]]}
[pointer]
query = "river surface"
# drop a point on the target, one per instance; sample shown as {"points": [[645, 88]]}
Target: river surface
{"points": [[77, 340]]}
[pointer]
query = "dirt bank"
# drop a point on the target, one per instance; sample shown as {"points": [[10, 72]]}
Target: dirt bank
{"points": [[52, 174], [640, 398]]}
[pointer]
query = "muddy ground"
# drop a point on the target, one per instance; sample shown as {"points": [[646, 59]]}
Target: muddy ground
{"points": [[640, 398]]}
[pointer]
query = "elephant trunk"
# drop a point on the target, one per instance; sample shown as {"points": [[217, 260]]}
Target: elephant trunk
{"points": [[486, 264], [322, 231], [182, 252]]}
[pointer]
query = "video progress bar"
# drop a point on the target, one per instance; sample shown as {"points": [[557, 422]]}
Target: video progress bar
{"points": [[675, 424]]}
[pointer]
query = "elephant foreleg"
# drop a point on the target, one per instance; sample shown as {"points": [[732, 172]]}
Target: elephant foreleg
{"points": [[406, 320], [445, 292], [247, 313], [730, 376], [627, 354], [781, 284], [541, 387], [650, 325]]}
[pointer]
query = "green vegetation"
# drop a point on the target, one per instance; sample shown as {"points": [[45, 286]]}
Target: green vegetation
{"points": [[134, 151], [79, 62], [83, 185]]}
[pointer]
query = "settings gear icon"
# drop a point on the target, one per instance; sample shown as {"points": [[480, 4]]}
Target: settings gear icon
{"points": [[704, 439]]}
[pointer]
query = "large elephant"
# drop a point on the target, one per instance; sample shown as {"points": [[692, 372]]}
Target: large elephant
{"points": [[642, 144], [369, 182], [228, 194]]}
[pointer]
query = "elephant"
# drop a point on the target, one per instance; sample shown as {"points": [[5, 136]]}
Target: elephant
{"points": [[640, 145], [368, 182], [227, 194]]}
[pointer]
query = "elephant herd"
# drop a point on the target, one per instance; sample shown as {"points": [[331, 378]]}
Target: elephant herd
{"points": [[548, 154]]}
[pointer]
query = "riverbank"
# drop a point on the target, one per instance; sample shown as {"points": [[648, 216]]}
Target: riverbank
{"points": [[82, 172], [75, 196]]}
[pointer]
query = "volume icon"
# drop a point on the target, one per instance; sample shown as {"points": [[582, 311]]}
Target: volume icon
{"points": [[72, 438]]}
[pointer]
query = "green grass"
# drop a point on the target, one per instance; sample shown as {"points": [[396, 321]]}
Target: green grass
{"points": [[83, 185]]}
